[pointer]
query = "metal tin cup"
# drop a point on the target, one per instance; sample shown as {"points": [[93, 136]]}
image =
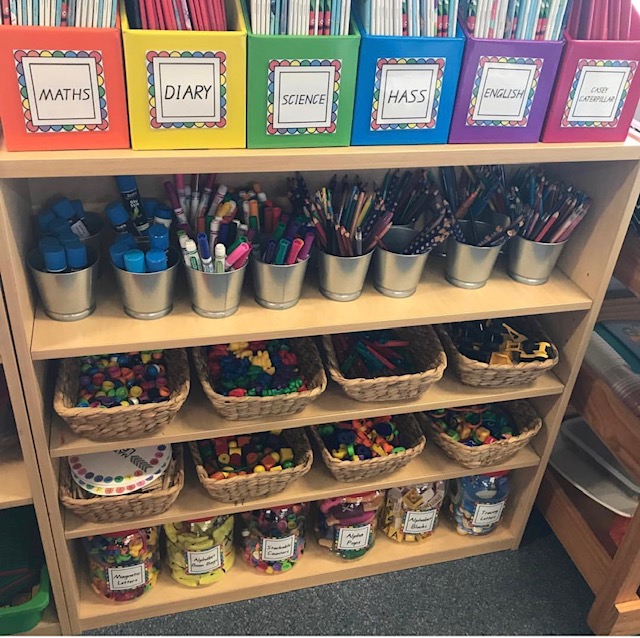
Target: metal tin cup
{"points": [[394, 274], [532, 262], [95, 225], [342, 278], [67, 296], [470, 266], [277, 287], [215, 294], [148, 295]]}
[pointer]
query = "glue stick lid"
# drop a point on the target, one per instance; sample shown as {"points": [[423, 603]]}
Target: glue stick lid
{"points": [[76, 255], [64, 208], [54, 259]]}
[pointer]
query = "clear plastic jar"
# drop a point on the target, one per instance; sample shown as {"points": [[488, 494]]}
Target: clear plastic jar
{"points": [[411, 513], [123, 565], [346, 525], [200, 552], [272, 540], [477, 502]]}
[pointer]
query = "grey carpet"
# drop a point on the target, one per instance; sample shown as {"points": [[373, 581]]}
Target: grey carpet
{"points": [[533, 591]]}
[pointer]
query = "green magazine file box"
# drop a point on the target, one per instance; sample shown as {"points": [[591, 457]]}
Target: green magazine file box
{"points": [[301, 89]]}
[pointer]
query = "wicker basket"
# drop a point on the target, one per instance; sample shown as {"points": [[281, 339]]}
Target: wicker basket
{"points": [[116, 509], [428, 354], [238, 489], [242, 408], [481, 374], [122, 422], [523, 415], [347, 471]]}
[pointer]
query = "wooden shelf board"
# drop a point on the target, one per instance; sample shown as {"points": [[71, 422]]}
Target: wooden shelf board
{"points": [[119, 161], [317, 567], [48, 626], [198, 420], [14, 482], [109, 329], [627, 269], [194, 502]]}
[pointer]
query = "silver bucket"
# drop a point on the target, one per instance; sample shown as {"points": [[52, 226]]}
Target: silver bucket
{"points": [[342, 278], [277, 287], [394, 274], [532, 262], [470, 266], [148, 295], [215, 294], [67, 296], [96, 226]]}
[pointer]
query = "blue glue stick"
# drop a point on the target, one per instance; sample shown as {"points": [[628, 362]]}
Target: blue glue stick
{"points": [[133, 203], [55, 259], [67, 237], [117, 252], [127, 239], [57, 226], [159, 237], [64, 209], [118, 217], [156, 260], [77, 258], [134, 261], [150, 205], [47, 241], [163, 215], [44, 219]]}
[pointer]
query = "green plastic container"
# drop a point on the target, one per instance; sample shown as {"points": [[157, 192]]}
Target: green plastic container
{"points": [[15, 620], [301, 89]]}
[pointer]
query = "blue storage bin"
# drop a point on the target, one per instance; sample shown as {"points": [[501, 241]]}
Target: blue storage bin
{"points": [[417, 77]]}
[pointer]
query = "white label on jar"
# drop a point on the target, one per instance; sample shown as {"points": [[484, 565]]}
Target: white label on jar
{"points": [[420, 522], [124, 578], [487, 514], [277, 549], [354, 537], [205, 561]]}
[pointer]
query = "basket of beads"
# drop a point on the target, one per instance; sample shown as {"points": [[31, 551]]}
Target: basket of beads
{"points": [[143, 392], [482, 435], [498, 352], [122, 484], [364, 448], [236, 469], [253, 380], [385, 365]]}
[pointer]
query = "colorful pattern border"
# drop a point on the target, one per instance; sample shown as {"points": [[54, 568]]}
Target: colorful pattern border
{"points": [[476, 86], [151, 88], [376, 94], [271, 130], [19, 54], [566, 123]]}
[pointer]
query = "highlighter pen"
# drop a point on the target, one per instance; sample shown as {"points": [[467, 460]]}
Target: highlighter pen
{"points": [[296, 247], [133, 202], [306, 249], [220, 258], [134, 261], [118, 217], [234, 257], [178, 211], [281, 254], [205, 253], [192, 255]]}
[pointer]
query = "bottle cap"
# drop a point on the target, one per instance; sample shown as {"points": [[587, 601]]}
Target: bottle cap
{"points": [[126, 183], [76, 255], [150, 205], [117, 252], [67, 237], [159, 237], [58, 226], [47, 241], [117, 214], [44, 219], [54, 259], [156, 260], [64, 208], [134, 260]]}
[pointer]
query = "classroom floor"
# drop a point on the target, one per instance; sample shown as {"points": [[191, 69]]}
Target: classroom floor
{"points": [[533, 591]]}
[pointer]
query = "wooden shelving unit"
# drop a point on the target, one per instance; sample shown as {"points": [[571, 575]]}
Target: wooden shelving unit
{"points": [[567, 306]]}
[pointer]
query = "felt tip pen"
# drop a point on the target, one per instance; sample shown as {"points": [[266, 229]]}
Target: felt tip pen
{"points": [[195, 201], [217, 199], [270, 252], [55, 260], [192, 255], [134, 261], [214, 230], [220, 258], [242, 261], [206, 196], [279, 231], [237, 242], [174, 200], [133, 202], [306, 249], [187, 197], [182, 240], [118, 217], [227, 209], [64, 209], [281, 253], [180, 190], [235, 256], [292, 255], [76, 254], [223, 234], [205, 253]]}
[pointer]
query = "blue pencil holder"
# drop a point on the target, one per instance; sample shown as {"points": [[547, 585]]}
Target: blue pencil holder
{"points": [[406, 88]]}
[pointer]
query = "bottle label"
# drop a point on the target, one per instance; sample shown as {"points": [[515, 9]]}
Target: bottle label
{"points": [[420, 522], [125, 578], [353, 537], [487, 514], [278, 549], [80, 230], [204, 562]]}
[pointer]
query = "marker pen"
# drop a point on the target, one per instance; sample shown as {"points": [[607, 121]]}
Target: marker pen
{"points": [[214, 229], [306, 249], [242, 261], [279, 231], [192, 255], [178, 211], [270, 252], [159, 237], [223, 234], [228, 209], [182, 240], [237, 242], [180, 190], [206, 196], [44, 219], [77, 258], [220, 258], [205, 253], [296, 247], [117, 252], [187, 196], [234, 257], [281, 253], [163, 216], [55, 259], [194, 204], [133, 202], [134, 261], [156, 260], [217, 199], [64, 209], [118, 217]]}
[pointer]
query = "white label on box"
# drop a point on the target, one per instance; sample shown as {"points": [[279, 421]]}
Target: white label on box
{"points": [[597, 96], [124, 578], [504, 90], [354, 537], [62, 91], [277, 549], [420, 522], [407, 92], [205, 561], [487, 514], [303, 96], [187, 89]]}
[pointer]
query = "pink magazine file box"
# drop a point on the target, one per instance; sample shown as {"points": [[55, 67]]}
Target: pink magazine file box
{"points": [[504, 90], [597, 90]]}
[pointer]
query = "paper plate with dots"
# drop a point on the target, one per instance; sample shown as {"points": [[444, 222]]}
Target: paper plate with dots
{"points": [[119, 472]]}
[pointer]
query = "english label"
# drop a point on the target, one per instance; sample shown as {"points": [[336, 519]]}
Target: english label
{"points": [[122, 578], [487, 514], [420, 522], [353, 537], [62, 90], [278, 549], [187, 89], [204, 562]]}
